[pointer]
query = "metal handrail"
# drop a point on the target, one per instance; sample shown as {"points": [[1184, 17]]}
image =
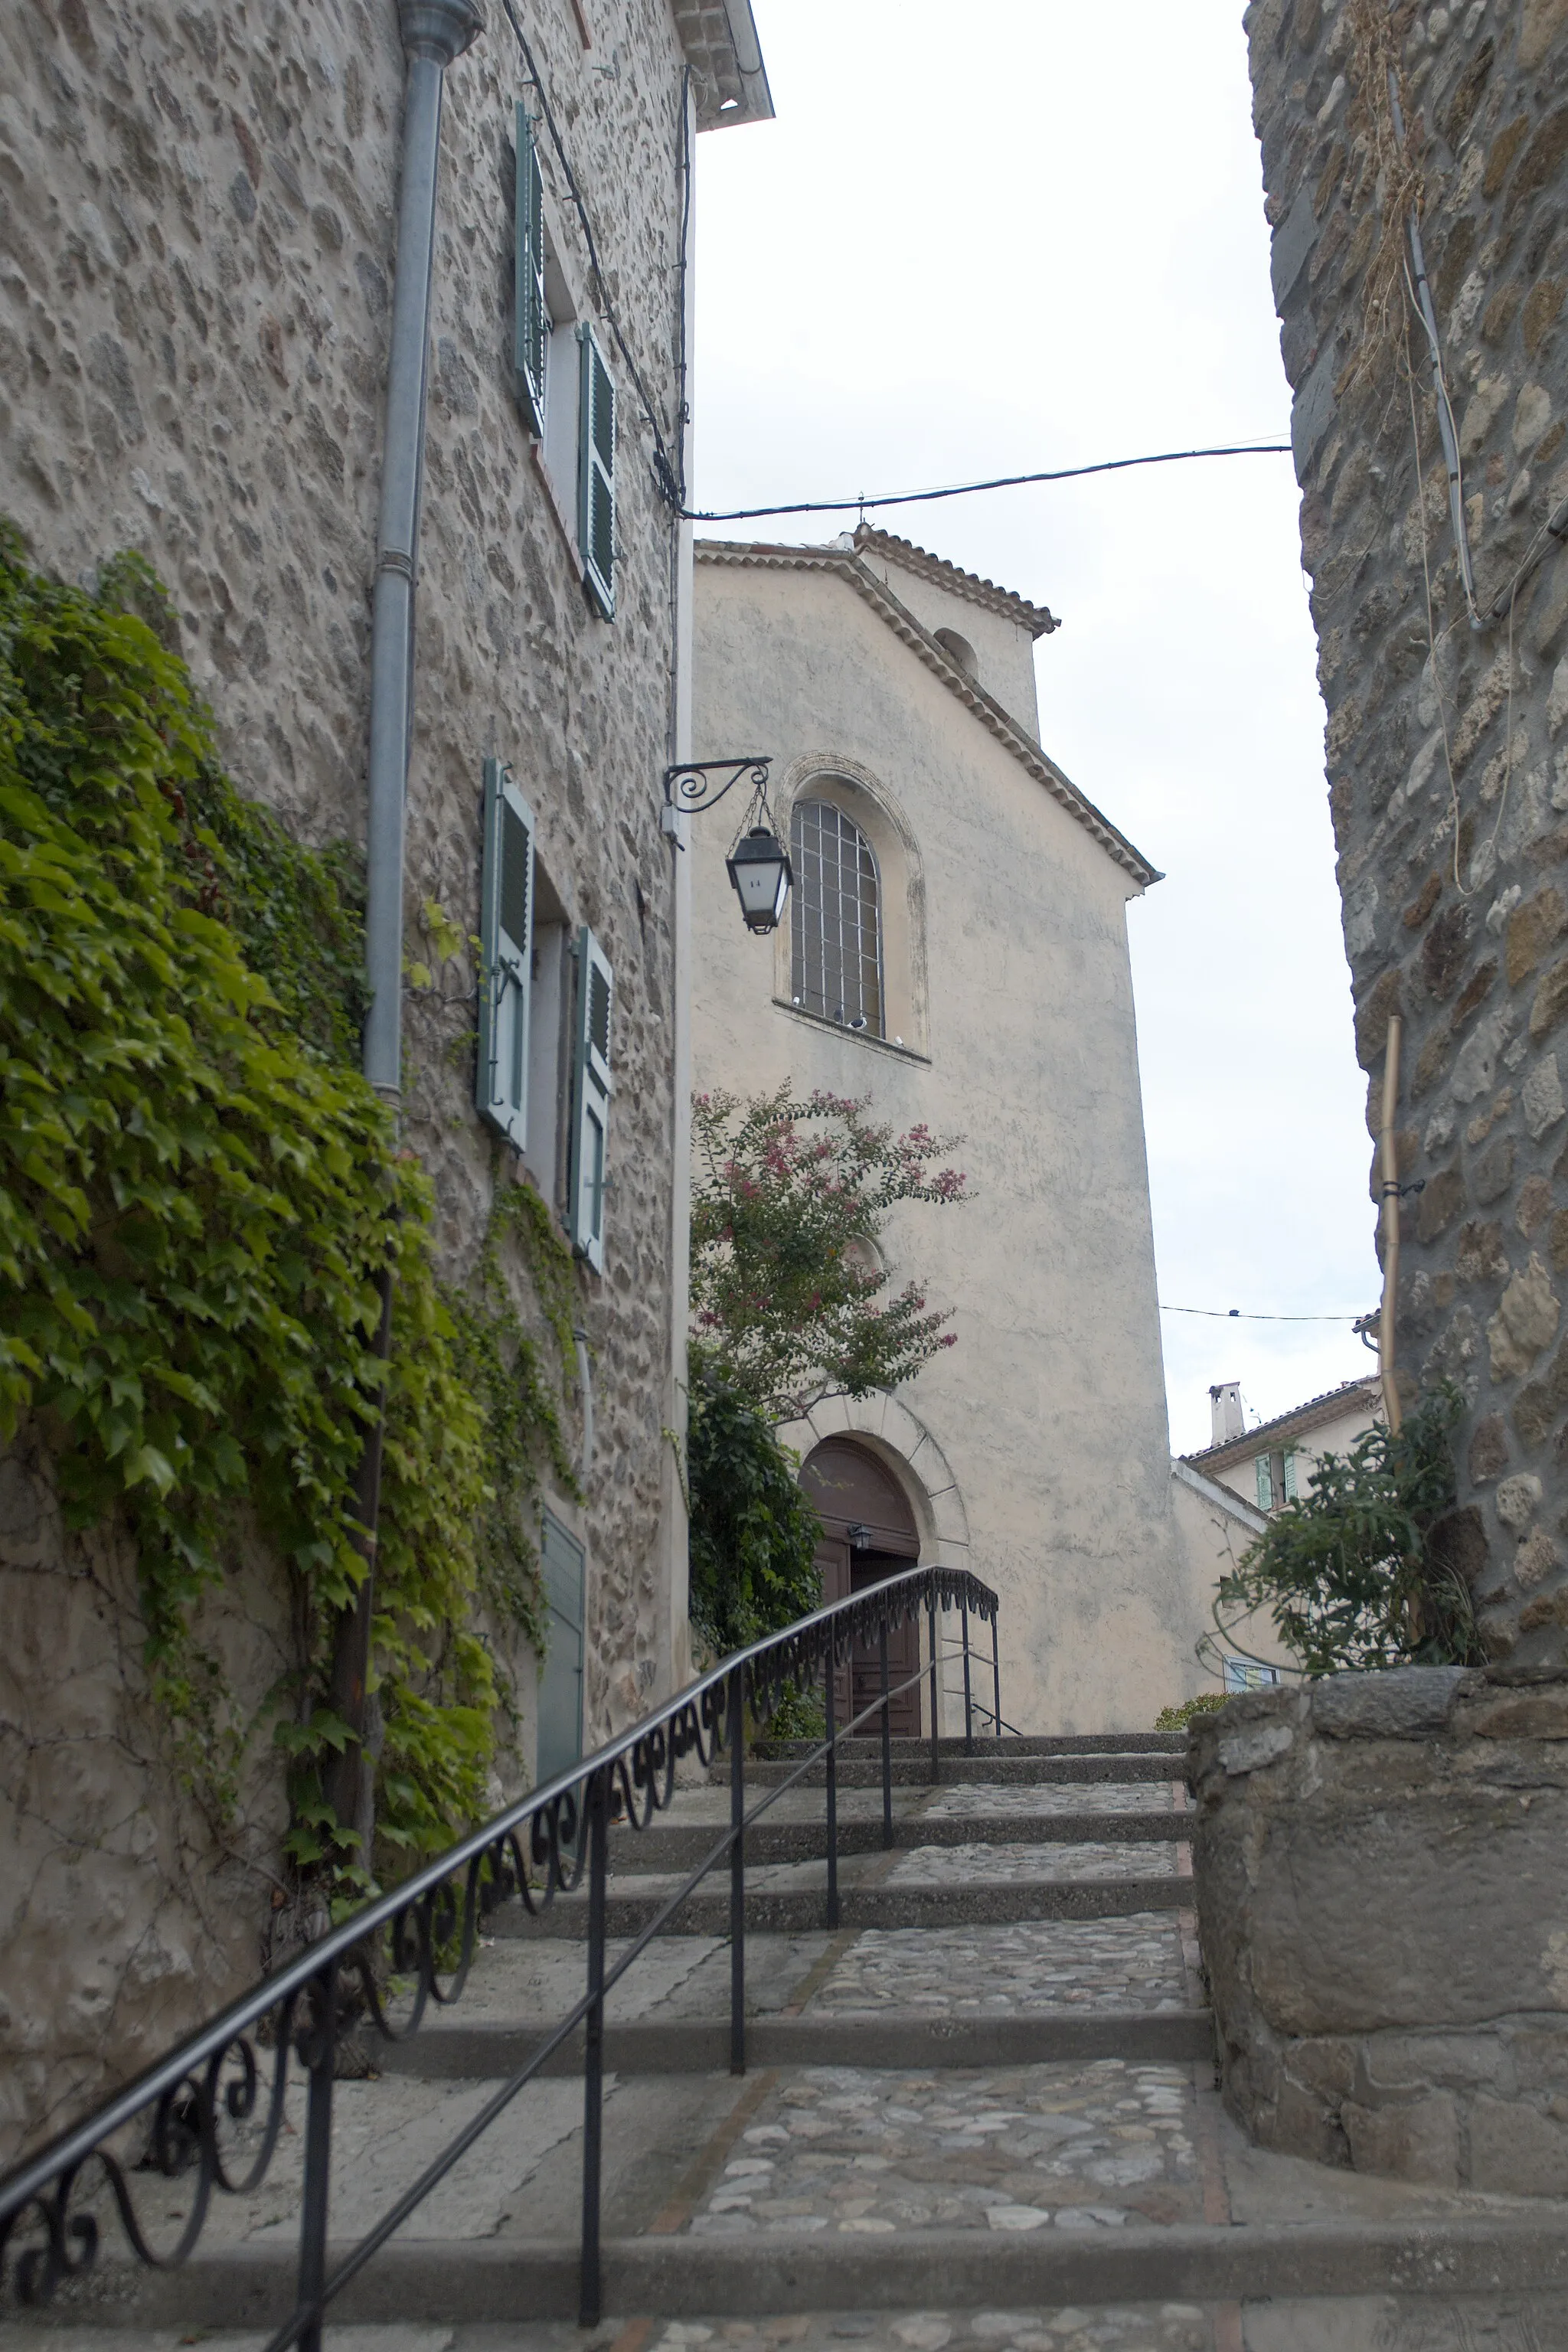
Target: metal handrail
{"points": [[341, 1979]]}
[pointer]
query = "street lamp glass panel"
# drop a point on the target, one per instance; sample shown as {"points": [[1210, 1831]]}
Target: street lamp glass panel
{"points": [[759, 867]]}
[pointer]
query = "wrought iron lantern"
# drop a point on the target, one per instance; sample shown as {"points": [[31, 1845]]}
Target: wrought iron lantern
{"points": [[758, 864], [759, 867]]}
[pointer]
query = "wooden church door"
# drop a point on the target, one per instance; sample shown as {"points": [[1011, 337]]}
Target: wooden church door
{"points": [[868, 1532]]}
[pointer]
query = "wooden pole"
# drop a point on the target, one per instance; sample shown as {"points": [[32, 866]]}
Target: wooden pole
{"points": [[1388, 1175]]}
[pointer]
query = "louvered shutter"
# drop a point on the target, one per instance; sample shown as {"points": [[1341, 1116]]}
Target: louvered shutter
{"points": [[591, 1101], [505, 948], [533, 316], [1265, 1483], [1289, 1467], [597, 476]]}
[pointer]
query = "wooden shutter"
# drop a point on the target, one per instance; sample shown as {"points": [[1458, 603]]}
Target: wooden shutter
{"points": [[597, 476], [1265, 1483], [505, 948], [532, 334], [1289, 1460], [590, 1101]]}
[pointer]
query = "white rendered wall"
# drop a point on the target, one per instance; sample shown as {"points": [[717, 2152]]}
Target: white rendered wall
{"points": [[1049, 1413]]}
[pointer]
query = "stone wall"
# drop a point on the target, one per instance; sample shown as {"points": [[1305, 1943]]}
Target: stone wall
{"points": [[196, 248], [1447, 744], [1382, 1881]]}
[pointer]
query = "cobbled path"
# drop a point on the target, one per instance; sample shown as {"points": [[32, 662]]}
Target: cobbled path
{"points": [[961, 1865], [1123, 2327], [1013, 2149], [1053, 1797], [1033, 1964]]}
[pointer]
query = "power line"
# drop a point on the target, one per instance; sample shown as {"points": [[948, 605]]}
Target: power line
{"points": [[966, 489], [1238, 1315]]}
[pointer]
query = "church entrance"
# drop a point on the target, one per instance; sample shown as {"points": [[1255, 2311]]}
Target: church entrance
{"points": [[868, 1532]]}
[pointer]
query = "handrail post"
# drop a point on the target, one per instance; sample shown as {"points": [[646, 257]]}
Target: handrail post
{"points": [[318, 2161], [735, 1734], [589, 2287], [996, 1670], [935, 1753], [887, 1739], [832, 1795], [968, 1710]]}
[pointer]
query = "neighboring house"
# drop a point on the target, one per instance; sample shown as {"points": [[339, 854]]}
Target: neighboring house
{"points": [[1275, 1461], [956, 948], [1230, 1489], [202, 213]]}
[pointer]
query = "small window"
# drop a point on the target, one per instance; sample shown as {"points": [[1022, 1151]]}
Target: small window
{"points": [[1248, 1674], [836, 926], [958, 649]]}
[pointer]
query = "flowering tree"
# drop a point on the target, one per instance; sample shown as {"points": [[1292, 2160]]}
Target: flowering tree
{"points": [[788, 1291]]}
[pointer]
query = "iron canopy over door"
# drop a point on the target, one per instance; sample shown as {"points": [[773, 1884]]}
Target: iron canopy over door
{"points": [[868, 1532]]}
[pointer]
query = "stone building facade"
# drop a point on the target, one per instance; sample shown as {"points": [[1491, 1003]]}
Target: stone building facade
{"points": [[200, 210], [975, 977], [1435, 526]]}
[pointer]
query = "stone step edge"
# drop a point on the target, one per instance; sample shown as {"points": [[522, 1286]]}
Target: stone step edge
{"points": [[685, 1842], [1081, 1743], [968, 1772], [879, 2038], [464, 2281], [794, 1912]]}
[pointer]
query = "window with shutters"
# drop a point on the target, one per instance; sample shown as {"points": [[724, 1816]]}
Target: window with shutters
{"points": [[506, 956], [588, 1176], [596, 475], [835, 934]]}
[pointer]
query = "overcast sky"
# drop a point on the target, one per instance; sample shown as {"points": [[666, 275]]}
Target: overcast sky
{"points": [[986, 240]]}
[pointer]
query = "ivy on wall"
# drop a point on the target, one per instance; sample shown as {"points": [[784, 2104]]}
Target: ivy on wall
{"points": [[197, 1191]]}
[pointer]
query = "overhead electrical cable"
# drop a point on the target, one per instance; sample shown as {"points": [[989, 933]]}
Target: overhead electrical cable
{"points": [[1239, 1315], [967, 490]]}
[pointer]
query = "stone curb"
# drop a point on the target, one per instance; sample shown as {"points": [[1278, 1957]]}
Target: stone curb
{"points": [[680, 1846], [894, 2039], [767, 2276], [800, 1913]]}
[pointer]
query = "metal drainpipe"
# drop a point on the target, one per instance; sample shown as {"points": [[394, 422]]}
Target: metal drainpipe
{"points": [[433, 32]]}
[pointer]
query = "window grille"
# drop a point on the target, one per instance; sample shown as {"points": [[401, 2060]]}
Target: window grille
{"points": [[836, 920]]}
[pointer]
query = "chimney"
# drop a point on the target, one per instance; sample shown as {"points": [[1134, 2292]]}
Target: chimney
{"points": [[1225, 1411]]}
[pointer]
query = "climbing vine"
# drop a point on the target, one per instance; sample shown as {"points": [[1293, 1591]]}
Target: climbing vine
{"points": [[197, 1192]]}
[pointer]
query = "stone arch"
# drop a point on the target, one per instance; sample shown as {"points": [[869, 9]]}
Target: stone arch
{"points": [[886, 1427], [861, 793]]}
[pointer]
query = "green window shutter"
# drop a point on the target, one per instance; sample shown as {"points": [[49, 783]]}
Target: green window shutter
{"points": [[1265, 1483], [590, 1101], [532, 315], [1289, 1460], [597, 476], [506, 952]]}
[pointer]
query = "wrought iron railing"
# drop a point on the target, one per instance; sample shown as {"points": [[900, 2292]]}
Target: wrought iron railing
{"points": [[188, 2116]]}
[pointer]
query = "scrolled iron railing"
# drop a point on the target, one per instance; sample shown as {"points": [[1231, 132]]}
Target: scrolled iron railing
{"points": [[383, 1969]]}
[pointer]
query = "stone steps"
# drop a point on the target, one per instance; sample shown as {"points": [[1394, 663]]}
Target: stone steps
{"points": [[977, 2115]]}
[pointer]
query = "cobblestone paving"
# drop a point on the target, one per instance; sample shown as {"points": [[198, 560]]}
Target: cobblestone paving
{"points": [[1009, 2149], [1033, 1964], [962, 1865], [1119, 2328], [1056, 1797]]}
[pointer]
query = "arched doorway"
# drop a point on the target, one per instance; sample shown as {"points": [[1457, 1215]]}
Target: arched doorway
{"points": [[868, 1532]]}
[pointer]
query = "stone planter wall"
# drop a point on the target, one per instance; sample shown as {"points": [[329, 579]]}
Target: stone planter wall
{"points": [[1382, 1875]]}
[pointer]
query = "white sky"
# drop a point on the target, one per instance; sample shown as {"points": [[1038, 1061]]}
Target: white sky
{"points": [[985, 240]]}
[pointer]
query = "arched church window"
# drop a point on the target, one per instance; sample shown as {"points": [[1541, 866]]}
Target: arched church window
{"points": [[836, 918]]}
